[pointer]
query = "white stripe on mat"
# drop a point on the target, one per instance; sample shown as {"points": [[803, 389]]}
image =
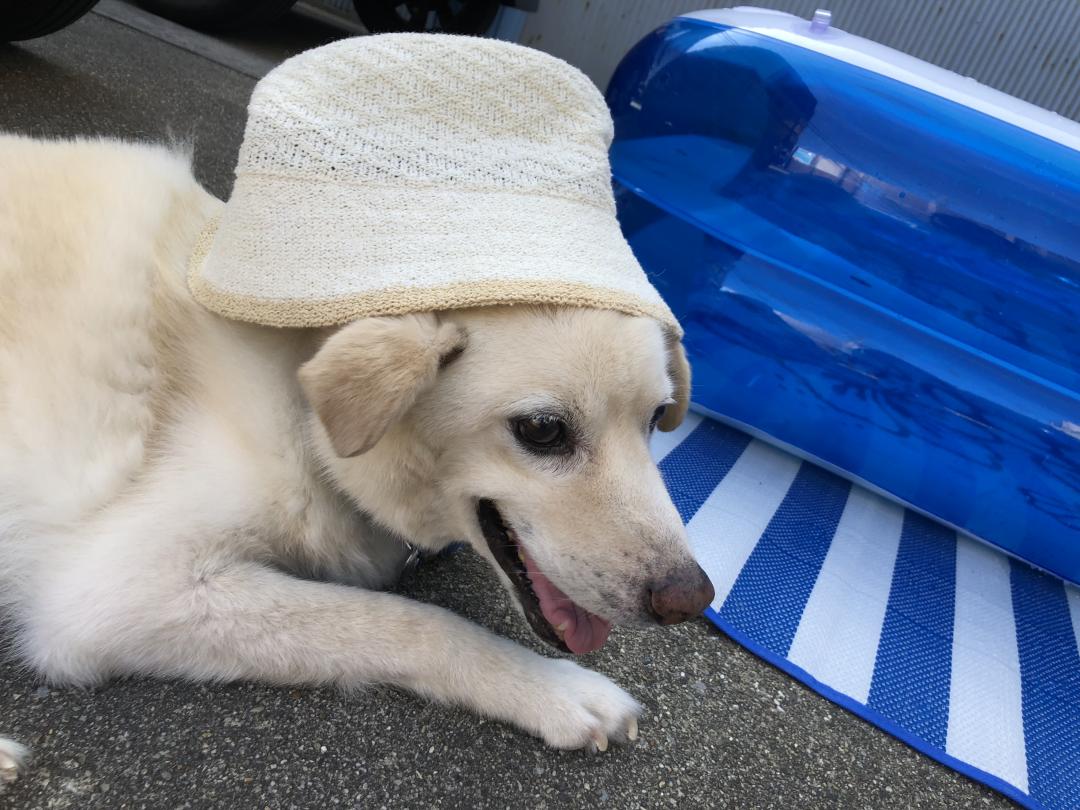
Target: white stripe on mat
{"points": [[663, 443], [838, 634], [1072, 593], [986, 727], [738, 511]]}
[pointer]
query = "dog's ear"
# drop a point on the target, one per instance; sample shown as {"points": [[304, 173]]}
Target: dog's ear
{"points": [[369, 373], [679, 371]]}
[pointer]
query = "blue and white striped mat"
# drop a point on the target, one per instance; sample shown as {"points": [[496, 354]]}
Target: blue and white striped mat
{"points": [[958, 650]]}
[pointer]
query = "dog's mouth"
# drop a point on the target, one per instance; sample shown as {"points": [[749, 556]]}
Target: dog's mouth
{"points": [[553, 616]]}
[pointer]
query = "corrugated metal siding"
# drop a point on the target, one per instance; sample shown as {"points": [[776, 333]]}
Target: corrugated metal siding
{"points": [[1028, 48]]}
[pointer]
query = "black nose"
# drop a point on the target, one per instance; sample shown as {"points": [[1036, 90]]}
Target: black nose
{"points": [[681, 596]]}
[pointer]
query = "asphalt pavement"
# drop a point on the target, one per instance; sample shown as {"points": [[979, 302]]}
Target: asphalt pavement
{"points": [[721, 728]]}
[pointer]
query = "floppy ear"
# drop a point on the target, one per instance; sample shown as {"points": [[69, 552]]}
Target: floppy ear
{"points": [[679, 371], [369, 373]]}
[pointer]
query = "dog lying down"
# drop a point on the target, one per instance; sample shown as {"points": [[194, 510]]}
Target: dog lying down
{"points": [[186, 496]]}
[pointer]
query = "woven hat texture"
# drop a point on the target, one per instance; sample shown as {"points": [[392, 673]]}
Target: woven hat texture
{"points": [[403, 173]]}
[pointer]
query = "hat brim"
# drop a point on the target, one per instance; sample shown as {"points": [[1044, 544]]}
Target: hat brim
{"points": [[293, 253]]}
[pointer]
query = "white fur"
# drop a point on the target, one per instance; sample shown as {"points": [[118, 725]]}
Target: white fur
{"points": [[13, 760], [171, 505]]}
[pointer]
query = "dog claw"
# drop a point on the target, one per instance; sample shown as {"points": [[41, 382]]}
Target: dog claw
{"points": [[599, 743], [632, 730]]}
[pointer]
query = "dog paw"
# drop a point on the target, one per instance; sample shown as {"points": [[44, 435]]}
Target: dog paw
{"points": [[580, 708], [13, 758]]}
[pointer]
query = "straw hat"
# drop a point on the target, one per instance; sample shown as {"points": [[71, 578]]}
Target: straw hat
{"points": [[417, 172]]}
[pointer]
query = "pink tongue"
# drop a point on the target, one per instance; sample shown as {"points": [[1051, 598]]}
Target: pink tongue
{"points": [[585, 631]]}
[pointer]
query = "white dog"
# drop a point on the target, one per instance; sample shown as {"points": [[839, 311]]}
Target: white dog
{"points": [[185, 496]]}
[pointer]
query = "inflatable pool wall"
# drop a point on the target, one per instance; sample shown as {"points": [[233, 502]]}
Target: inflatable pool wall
{"points": [[877, 263]]}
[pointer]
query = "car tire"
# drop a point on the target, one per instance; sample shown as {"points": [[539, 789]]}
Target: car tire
{"points": [[218, 15], [386, 16], [21, 20]]}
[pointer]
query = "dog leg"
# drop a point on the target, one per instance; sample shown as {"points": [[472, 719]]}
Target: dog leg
{"points": [[245, 621], [13, 759]]}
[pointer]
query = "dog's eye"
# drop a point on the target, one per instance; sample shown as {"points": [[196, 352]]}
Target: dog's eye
{"points": [[658, 414], [542, 433]]}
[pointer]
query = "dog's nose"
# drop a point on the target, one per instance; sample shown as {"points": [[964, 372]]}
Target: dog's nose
{"points": [[681, 596]]}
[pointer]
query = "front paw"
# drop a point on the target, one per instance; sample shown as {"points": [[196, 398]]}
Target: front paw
{"points": [[578, 708], [13, 758]]}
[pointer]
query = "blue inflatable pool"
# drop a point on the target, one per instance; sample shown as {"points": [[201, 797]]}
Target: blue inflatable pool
{"points": [[877, 263]]}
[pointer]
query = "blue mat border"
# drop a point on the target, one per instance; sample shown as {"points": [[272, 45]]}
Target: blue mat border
{"points": [[873, 717]]}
